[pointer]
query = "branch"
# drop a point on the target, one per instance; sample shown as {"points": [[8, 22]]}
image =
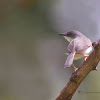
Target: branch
{"points": [[78, 76]]}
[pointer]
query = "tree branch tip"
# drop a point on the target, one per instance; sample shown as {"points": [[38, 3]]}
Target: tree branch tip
{"points": [[96, 43], [96, 69]]}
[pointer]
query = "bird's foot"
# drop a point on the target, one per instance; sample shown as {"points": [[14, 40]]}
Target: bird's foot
{"points": [[86, 57], [75, 69]]}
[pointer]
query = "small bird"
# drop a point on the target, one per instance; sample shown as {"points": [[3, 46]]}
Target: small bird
{"points": [[79, 46]]}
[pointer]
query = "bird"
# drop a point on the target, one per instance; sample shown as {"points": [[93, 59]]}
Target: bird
{"points": [[79, 46]]}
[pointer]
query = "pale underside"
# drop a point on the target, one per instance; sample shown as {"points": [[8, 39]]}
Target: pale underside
{"points": [[86, 53]]}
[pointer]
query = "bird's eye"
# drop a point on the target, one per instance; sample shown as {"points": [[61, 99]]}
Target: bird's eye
{"points": [[68, 34]]}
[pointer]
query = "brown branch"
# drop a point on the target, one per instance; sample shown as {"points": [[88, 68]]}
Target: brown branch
{"points": [[78, 76]]}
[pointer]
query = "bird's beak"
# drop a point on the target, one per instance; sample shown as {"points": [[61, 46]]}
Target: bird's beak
{"points": [[62, 34]]}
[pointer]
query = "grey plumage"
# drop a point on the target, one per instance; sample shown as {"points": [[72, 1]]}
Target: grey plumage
{"points": [[69, 60], [77, 46]]}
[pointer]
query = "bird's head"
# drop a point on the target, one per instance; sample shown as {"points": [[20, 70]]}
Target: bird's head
{"points": [[69, 36]]}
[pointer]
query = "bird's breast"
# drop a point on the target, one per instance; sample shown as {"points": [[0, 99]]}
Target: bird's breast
{"points": [[78, 56], [69, 39]]}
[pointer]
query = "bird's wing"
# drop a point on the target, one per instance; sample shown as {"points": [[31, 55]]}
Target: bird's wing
{"points": [[79, 44], [71, 49], [82, 44], [69, 60]]}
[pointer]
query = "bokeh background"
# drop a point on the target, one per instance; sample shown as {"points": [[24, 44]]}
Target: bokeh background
{"points": [[32, 55]]}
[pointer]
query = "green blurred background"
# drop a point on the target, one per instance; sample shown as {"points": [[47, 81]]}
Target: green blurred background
{"points": [[32, 55]]}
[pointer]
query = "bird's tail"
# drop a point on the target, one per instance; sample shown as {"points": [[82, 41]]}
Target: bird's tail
{"points": [[69, 60]]}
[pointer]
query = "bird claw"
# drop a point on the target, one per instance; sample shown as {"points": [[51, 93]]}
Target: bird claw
{"points": [[75, 69], [85, 58]]}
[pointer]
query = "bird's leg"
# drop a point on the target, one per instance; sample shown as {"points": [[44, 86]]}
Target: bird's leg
{"points": [[74, 67], [86, 57]]}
